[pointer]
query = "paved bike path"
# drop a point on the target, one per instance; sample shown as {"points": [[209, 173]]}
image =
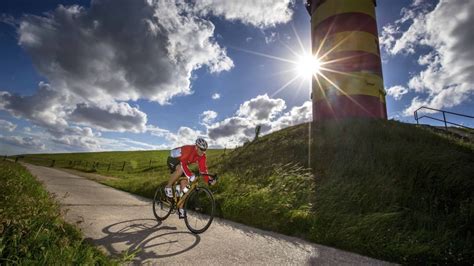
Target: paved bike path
{"points": [[117, 221]]}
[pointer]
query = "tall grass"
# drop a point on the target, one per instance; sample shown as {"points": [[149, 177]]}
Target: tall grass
{"points": [[381, 188], [394, 191], [31, 229], [279, 202]]}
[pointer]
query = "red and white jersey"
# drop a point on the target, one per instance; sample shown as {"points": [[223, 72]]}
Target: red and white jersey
{"points": [[187, 155]]}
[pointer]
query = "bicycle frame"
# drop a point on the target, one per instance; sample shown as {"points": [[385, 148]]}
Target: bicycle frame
{"points": [[192, 187], [176, 202], [185, 196]]}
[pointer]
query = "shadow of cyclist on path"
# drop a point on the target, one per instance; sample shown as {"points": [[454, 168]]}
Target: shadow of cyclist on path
{"points": [[147, 235]]}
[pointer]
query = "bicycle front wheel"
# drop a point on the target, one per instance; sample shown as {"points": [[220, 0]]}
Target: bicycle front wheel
{"points": [[162, 206], [200, 207]]}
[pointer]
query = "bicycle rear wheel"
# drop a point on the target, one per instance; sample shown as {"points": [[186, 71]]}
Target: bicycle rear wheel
{"points": [[162, 206], [200, 207]]}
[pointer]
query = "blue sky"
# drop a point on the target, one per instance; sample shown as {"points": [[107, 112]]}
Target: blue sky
{"points": [[75, 77]]}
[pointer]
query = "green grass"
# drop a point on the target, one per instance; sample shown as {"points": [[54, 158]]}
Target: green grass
{"points": [[31, 229], [394, 191], [139, 176], [379, 188]]}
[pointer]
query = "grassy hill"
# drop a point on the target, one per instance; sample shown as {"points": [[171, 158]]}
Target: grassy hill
{"points": [[380, 188]]}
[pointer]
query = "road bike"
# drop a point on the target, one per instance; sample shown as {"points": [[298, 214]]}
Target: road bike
{"points": [[198, 202]]}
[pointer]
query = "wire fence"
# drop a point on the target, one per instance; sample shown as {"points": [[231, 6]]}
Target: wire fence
{"points": [[93, 165]]}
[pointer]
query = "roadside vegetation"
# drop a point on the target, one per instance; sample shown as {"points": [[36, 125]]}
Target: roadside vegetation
{"points": [[379, 188], [31, 229]]}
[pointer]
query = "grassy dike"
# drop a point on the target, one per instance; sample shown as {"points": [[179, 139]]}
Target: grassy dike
{"points": [[31, 229], [379, 188]]}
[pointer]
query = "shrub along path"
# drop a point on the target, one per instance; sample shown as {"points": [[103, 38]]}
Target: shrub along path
{"points": [[117, 221]]}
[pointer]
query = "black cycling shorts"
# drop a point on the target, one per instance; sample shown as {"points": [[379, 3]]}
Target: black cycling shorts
{"points": [[172, 163]]}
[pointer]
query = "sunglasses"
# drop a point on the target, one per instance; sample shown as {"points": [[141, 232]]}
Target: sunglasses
{"points": [[202, 149]]}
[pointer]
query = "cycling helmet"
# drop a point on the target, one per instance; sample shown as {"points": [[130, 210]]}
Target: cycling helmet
{"points": [[201, 143]]}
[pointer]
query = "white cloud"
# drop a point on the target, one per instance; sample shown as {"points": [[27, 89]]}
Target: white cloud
{"points": [[261, 108], [23, 142], [208, 116], [44, 108], [138, 145], [184, 136], [113, 116], [156, 131], [417, 2], [76, 143], [78, 139], [7, 125], [98, 59], [240, 127], [231, 131], [95, 62], [149, 53], [446, 80], [297, 115], [8, 19], [397, 92], [271, 37], [261, 13]]}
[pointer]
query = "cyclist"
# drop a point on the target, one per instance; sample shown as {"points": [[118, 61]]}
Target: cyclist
{"points": [[182, 157]]}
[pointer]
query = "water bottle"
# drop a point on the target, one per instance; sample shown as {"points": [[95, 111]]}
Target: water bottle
{"points": [[186, 189], [178, 191]]}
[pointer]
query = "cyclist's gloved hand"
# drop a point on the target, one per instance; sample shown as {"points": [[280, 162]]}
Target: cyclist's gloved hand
{"points": [[211, 181], [192, 178]]}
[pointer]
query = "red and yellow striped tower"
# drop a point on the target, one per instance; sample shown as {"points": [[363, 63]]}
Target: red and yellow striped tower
{"points": [[345, 40]]}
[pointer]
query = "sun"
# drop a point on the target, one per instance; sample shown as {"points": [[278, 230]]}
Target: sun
{"points": [[308, 65]]}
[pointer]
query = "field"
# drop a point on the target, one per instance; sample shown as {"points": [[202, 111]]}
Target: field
{"points": [[139, 172], [379, 188]]}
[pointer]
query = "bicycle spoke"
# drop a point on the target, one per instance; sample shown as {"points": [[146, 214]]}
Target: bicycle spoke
{"points": [[162, 207], [200, 208]]}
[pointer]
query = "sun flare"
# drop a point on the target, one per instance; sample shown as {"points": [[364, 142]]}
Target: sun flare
{"points": [[308, 65]]}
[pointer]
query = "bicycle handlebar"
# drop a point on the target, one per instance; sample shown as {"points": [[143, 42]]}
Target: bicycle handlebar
{"points": [[211, 175]]}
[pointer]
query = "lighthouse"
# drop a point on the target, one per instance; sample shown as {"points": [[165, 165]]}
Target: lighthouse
{"points": [[344, 39]]}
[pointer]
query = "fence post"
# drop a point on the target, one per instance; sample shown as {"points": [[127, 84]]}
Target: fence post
{"points": [[416, 117], [97, 165], [16, 159], [108, 168], [445, 125], [150, 164], [70, 162], [123, 167], [52, 164], [5, 158], [257, 132]]}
